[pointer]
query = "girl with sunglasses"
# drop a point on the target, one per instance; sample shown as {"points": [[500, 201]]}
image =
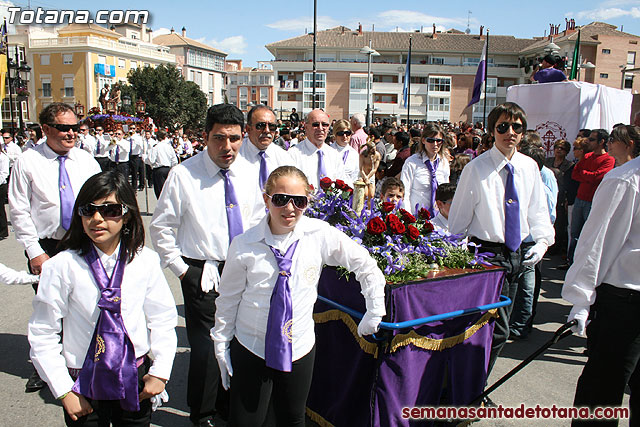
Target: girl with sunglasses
{"points": [[342, 133], [264, 332], [425, 170], [102, 333]]}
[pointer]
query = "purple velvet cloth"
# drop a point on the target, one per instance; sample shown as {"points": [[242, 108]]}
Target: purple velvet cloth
{"points": [[352, 388]]}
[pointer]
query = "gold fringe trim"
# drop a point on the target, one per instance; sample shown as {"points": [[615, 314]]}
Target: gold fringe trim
{"points": [[440, 344], [330, 315], [317, 418]]}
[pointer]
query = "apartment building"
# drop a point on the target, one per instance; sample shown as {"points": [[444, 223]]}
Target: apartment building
{"points": [[247, 86]]}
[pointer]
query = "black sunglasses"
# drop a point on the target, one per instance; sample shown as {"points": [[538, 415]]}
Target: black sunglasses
{"points": [[107, 210], [281, 200], [263, 125], [503, 127], [433, 140], [343, 133], [64, 128], [317, 124]]}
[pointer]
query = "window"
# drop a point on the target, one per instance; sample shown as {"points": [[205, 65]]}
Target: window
{"points": [[417, 80], [438, 103], [134, 64], [198, 79], [146, 64], [264, 95], [102, 59], [358, 82], [67, 58], [46, 88], [210, 81], [320, 80], [383, 98], [604, 75], [631, 58], [320, 100], [628, 81], [492, 85], [264, 80], [121, 63], [192, 75], [68, 86], [383, 78], [44, 59], [210, 98], [326, 57], [437, 61], [439, 84], [606, 51], [244, 94], [243, 80]]}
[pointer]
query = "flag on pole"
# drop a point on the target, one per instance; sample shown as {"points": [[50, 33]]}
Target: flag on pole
{"points": [[407, 76], [481, 76], [576, 59], [3, 36]]}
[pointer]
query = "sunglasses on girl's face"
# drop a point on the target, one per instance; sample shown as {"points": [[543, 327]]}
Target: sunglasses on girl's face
{"points": [[281, 200], [107, 210], [343, 133], [503, 127], [263, 125]]}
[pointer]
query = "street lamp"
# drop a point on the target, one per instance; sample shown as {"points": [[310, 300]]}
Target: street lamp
{"points": [[370, 52], [141, 107], [18, 85], [587, 66], [126, 101], [79, 110]]}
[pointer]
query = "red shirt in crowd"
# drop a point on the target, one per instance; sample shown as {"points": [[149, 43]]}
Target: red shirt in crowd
{"points": [[589, 172]]}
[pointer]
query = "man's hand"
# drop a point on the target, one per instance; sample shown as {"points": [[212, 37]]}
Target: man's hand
{"points": [[76, 405], [152, 386], [36, 263]]}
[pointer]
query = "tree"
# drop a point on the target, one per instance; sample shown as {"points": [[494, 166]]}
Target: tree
{"points": [[171, 101]]}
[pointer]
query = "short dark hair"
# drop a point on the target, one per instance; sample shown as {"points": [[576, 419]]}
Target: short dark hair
{"points": [[389, 182], [551, 59], [402, 137], [584, 132], [50, 112], [445, 191], [431, 129], [256, 108], [531, 137], [535, 152], [512, 110], [374, 133], [161, 135], [628, 135], [415, 133], [37, 129], [225, 114], [97, 187], [602, 135]]}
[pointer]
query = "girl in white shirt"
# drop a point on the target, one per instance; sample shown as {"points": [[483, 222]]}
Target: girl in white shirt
{"points": [[425, 168], [264, 331], [105, 281]]}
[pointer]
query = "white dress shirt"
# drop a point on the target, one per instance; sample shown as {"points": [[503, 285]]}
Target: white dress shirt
{"points": [[13, 151], [242, 309], [67, 302], [478, 206], [417, 180], [148, 146], [191, 219], [137, 145], [103, 143], [34, 195], [87, 143], [440, 222], [275, 157], [305, 158], [608, 250], [162, 155], [352, 162], [124, 147], [9, 276], [30, 144], [4, 169]]}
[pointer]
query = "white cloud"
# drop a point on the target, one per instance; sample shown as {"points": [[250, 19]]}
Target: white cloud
{"points": [[305, 22], [615, 3], [393, 18], [160, 32], [235, 45], [604, 14]]}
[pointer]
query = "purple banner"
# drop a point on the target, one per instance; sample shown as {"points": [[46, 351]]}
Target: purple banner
{"points": [[360, 383]]}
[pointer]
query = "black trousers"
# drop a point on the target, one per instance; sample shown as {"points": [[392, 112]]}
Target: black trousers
{"points": [[254, 385], [103, 162], [135, 165], [205, 394], [613, 347], [159, 177], [4, 228], [107, 412], [50, 247], [512, 262], [122, 167], [149, 175]]}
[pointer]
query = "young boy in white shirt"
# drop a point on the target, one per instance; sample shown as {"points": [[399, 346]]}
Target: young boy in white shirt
{"points": [[444, 197]]}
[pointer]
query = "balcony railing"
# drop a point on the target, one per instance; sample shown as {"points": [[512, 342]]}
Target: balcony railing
{"points": [[160, 53]]}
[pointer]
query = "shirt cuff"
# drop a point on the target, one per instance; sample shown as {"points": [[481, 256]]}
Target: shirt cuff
{"points": [[178, 266], [34, 251]]}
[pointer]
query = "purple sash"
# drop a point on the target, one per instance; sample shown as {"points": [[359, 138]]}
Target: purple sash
{"points": [[109, 371]]}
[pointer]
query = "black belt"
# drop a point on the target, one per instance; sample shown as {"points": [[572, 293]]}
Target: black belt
{"points": [[162, 167], [616, 291], [496, 245], [200, 263]]}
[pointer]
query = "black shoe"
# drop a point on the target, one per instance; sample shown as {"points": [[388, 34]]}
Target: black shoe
{"points": [[34, 383], [488, 403]]}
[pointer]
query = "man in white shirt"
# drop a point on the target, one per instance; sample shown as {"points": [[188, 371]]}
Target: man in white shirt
{"points": [[135, 163], [604, 286], [35, 195], [206, 201], [9, 146], [258, 147], [149, 143], [119, 153], [85, 141], [499, 201], [162, 158], [4, 176], [313, 157], [101, 153]]}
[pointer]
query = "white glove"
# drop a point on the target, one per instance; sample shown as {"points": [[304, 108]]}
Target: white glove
{"points": [[210, 276], [159, 399], [535, 253], [369, 324], [223, 356], [581, 314]]}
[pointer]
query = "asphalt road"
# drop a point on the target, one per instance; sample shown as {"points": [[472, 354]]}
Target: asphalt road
{"points": [[549, 380]]}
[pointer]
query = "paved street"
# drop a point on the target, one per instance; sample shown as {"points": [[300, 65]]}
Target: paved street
{"points": [[549, 380]]}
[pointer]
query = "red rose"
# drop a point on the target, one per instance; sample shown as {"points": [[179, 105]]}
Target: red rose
{"points": [[397, 227], [376, 226], [349, 190], [312, 188], [341, 185], [413, 232], [407, 217], [325, 183], [393, 219], [388, 206], [428, 227], [424, 214]]}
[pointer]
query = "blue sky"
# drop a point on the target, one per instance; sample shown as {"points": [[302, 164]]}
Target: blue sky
{"points": [[242, 28]]}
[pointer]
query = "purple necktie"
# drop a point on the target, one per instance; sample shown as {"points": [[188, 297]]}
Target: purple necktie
{"points": [[278, 349], [434, 184], [345, 155], [322, 170], [81, 145], [109, 370], [117, 153], [234, 216], [97, 146], [67, 199], [264, 172], [511, 212]]}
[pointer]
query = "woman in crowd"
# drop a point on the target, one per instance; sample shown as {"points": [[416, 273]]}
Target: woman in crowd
{"points": [[350, 158], [560, 165], [623, 141]]}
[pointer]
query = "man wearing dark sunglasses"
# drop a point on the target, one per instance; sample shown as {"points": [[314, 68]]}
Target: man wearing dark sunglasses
{"points": [[43, 187], [315, 158], [258, 147], [206, 201], [500, 201]]}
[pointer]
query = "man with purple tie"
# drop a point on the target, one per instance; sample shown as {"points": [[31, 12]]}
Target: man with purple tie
{"points": [[499, 201], [43, 187], [206, 201]]}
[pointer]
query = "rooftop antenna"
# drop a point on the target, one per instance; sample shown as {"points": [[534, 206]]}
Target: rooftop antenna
{"points": [[468, 30]]}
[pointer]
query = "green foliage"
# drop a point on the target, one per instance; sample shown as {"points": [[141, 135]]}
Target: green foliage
{"points": [[417, 265], [171, 101], [458, 257]]}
